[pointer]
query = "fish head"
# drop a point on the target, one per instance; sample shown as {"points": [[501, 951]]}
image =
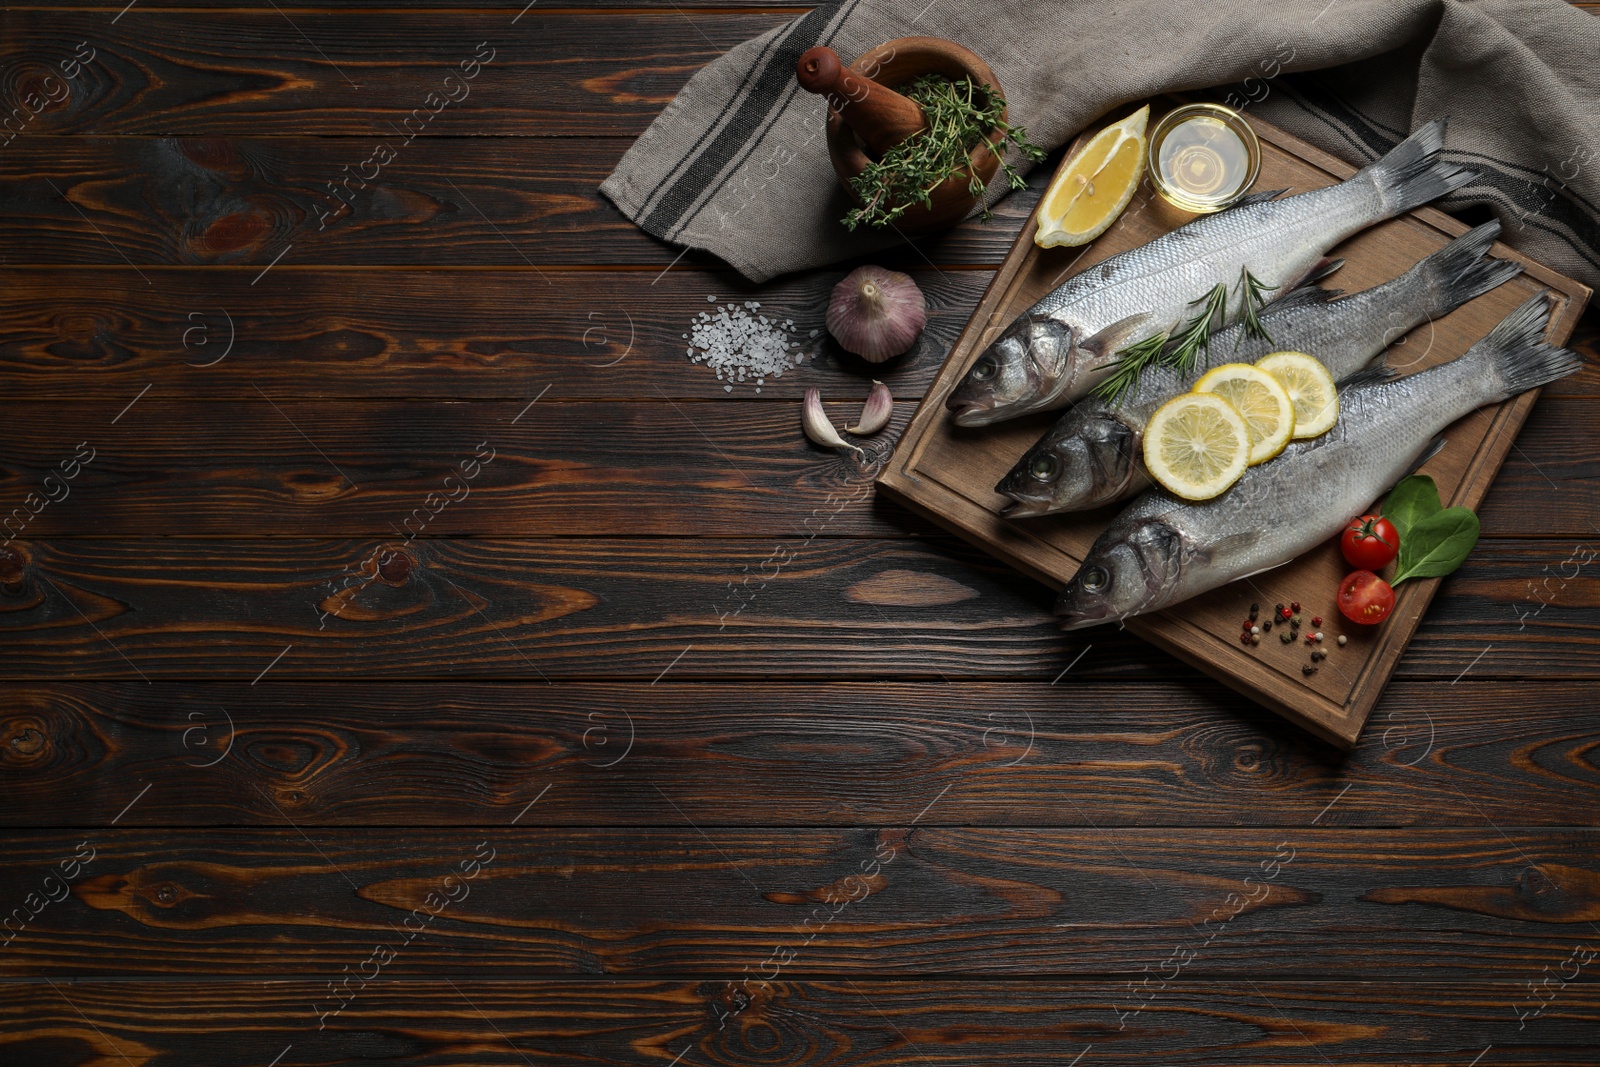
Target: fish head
{"points": [[1133, 568], [1087, 459], [1021, 367]]}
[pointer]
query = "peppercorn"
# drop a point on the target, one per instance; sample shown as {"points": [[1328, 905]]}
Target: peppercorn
{"points": [[1254, 610], [1255, 639], [1295, 607], [1318, 636], [1244, 639], [1286, 637], [1317, 655], [1296, 620], [1284, 613], [1308, 669], [1316, 620], [1249, 623], [1266, 627], [1342, 640]]}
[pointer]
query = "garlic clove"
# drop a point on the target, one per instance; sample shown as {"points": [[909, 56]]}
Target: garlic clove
{"points": [[815, 422], [876, 313], [875, 412]]}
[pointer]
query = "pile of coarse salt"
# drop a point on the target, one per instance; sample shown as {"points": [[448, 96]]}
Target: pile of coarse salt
{"points": [[739, 345]]}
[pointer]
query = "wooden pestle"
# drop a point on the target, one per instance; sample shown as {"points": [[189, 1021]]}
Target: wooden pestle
{"points": [[881, 117]]}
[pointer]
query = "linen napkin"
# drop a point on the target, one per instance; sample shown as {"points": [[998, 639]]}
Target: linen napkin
{"points": [[737, 163]]}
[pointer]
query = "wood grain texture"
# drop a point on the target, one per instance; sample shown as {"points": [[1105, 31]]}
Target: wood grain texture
{"points": [[825, 754], [594, 468], [593, 608], [429, 334], [1433, 904], [459, 200], [102, 333], [869, 1021], [258, 73]]}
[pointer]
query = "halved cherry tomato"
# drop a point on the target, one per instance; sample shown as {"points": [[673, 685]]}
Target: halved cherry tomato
{"points": [[1370, 542], [1365, 598]]}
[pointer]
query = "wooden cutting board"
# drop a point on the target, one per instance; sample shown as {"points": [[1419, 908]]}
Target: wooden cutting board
{"points": [[948, 473]]}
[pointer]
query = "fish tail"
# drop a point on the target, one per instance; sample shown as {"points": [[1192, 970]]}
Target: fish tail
{"points": [[1517, 355], [1413, 174], [1460, 270]]}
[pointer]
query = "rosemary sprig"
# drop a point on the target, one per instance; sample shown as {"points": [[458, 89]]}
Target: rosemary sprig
{"points": [[1196, 334], [1251, 301], [1192, 339], [959, 114], [1130, 364]]}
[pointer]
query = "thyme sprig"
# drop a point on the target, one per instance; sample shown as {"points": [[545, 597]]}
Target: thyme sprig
{"points": [[1180, 351], [959, 114]]}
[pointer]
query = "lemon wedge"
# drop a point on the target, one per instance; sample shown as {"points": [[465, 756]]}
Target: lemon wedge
{"points": [[1197, 445], [1094, 186], [1310, 388], [1265, 405]]}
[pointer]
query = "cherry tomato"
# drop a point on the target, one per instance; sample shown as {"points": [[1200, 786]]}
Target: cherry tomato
{"points": [[1365, 598], [1370, 542]]}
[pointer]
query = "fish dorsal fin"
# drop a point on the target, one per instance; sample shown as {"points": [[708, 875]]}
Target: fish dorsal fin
{"points": [[1372, 374], [1323, 268], [1305, 296], [1257, 198], [1434, 448], [1110, 340]]}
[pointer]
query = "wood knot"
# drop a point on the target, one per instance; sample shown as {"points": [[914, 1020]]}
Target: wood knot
{"points": [[13, 568], [26, 739], [394, 567]]}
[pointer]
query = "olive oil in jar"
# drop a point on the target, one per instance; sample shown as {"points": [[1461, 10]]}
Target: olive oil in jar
{"points": [[1204, 160]]}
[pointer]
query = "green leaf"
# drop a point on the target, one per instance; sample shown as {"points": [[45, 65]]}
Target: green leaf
{"points": [[1436, 545], [1410, 502]]}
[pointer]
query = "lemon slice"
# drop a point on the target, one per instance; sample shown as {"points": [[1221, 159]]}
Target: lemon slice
{"points": [[1265, 405], [1197, 445], [1311, 390], [1094, 186]]}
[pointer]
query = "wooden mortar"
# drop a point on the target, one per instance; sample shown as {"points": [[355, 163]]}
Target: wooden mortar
{"points": [[866, 116]]}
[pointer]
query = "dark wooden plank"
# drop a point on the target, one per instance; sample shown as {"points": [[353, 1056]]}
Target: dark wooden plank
{"points": [[1318, 903], [462, 200], [592, 608], [102, 333], [593, 468], [868, 1021], [80, 333], [357, 72], [1097, 755]]}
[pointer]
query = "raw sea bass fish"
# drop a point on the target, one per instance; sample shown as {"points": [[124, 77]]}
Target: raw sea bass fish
{"points": [[1091, 456], [1161, 550], [1061, 347]]}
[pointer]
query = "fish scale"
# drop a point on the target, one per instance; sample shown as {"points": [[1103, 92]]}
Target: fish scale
{"points": [[1161, 550], [1084, 461], [1064, 345]]}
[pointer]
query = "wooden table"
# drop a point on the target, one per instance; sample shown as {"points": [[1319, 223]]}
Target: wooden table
{"points": [[413, 659]]}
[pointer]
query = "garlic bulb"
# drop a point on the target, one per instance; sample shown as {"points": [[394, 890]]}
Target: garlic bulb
{"points": [[876, 313], [815, 422], [875, 412]]}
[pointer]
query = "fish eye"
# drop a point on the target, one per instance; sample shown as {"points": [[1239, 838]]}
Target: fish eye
{"points": [[1045, 467], [1094, 579], [984, 369]]}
